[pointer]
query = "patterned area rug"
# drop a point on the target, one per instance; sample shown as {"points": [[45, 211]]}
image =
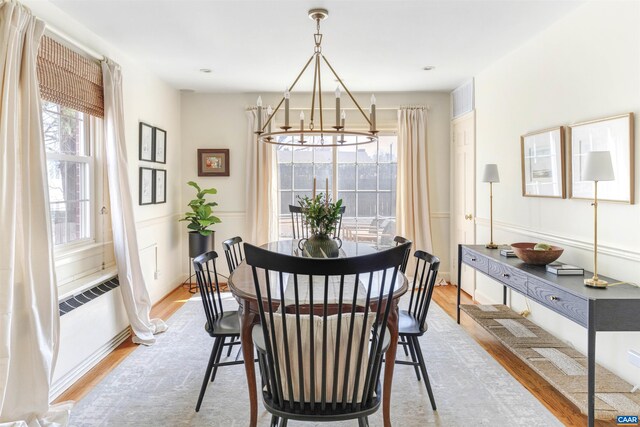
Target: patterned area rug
{"points": [[159, 385], [562, 366]]}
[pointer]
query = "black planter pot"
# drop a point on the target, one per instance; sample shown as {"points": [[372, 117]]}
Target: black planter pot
{"points": [[199, 244]]}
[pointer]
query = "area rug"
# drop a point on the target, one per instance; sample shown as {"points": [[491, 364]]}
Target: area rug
{"points": [[159, 385], [562, 366]]}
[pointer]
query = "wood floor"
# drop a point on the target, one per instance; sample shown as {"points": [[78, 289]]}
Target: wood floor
{"points": [[444, 296]]}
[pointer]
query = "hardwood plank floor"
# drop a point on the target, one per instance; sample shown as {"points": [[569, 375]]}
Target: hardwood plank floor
{"points": [[162, 309], [555, 402], [444, 296]]}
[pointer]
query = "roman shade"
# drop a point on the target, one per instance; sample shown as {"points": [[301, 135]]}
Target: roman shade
{"points": [[69, 78]]}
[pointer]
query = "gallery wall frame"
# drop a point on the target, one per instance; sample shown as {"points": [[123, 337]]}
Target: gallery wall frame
{"points": [[213, 162], [146, 186], [159, 186], [542, 160], [159, 145], [146, 143], [614, 134]]}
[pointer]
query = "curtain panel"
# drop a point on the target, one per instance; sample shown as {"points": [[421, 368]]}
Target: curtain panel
{"points": [[29, 317], [135, 295], [412, 202], [262, 187]]}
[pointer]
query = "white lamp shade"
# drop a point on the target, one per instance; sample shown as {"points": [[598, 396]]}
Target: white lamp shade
{"points": [[490, 173], [598, 167]]}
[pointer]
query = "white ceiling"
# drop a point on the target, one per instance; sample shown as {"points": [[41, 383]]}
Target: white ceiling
{"points": [[262, 45]]}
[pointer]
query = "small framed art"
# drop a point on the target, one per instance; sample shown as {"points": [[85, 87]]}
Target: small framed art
{"points": [[613, 134], [146, 151], [160, 186], [213, 162], [146, 186], [160, 145], [542, 160]]}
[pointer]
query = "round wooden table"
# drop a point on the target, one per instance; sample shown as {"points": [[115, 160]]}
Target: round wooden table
{"points": [[243, 289]]}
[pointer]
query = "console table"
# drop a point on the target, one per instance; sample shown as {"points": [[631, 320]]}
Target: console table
{"points": [[614, 308]]}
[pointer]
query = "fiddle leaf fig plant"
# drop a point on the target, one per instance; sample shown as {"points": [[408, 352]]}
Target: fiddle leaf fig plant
{"points": [[200, 218]]}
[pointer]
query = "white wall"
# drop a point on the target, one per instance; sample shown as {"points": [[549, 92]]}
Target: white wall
{"points": [[218, 120], [585, 66], [87, 332]]}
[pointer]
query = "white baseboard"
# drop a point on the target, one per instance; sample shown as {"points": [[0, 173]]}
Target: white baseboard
{"points": [[66, 381], [482, 298], [443, 275]]}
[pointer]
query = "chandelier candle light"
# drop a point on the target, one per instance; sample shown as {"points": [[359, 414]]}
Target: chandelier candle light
{"points": [[317, 136], [491, 175], [597, 167]]}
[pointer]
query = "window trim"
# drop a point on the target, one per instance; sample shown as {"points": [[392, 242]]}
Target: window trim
{"points": [[334, 178], [62, 250]]}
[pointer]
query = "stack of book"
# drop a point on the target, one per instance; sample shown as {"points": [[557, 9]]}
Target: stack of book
{"points": [[561, 269], [507, 253]]}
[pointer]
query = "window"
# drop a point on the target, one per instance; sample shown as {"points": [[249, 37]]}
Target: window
{"points": [[70, 169], [363, 176]]}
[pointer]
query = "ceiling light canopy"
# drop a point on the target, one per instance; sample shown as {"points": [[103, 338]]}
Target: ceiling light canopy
{"points": [[318, 130]]}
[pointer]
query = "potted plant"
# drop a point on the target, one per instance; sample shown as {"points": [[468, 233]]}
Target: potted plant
{"points": [[200, 220], [321, 215]]}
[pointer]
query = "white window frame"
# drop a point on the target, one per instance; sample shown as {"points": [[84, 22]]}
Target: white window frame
{"points": [[89, 160], [334, 180]]}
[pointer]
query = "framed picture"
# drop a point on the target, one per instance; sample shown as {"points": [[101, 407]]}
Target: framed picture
{"points": [[542, 159], [160, 186], [146, 186], [160, 145], [614, 134], [146, 151], [213, 162]]}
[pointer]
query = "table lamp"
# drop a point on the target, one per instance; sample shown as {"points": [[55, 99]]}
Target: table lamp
{"points": [[597, 167], [491, 175]]}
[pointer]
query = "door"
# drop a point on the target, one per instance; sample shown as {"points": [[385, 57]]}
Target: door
{"points": [[463, 194]]}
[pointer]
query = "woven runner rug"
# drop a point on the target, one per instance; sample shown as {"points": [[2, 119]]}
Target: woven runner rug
{"points": [[562, 366]]}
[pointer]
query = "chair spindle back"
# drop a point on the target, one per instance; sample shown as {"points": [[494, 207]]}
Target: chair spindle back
{"points": [[207, 278], [233, 252], [323, 328], [424, 280]]}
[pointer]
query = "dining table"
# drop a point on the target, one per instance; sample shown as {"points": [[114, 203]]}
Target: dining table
{"points": [[241, 285]]}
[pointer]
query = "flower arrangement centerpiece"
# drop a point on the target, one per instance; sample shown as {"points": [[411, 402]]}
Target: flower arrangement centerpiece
{"points": [[321, 216]]}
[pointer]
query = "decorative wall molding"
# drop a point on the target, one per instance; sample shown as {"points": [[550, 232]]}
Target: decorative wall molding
{"points": [[66, 381], [230, 214], [158, 220], [628, 254], [440, 215]]}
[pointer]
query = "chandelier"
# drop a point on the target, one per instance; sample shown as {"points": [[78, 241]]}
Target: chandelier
{"points": [[318, 131]]}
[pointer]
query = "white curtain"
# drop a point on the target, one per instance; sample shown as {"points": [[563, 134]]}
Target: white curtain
{"points": [[29, 317], [412, 202], [262, 187], [132, 284]]}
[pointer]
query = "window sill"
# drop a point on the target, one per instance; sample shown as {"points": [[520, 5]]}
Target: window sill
{"points": [[80, 285], [70, 250]]}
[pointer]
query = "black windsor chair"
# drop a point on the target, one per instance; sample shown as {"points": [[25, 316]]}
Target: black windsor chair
{"points": [[220, 324], [322, 333], [412, 323]]}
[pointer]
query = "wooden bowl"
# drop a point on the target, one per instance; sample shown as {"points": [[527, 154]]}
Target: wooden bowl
{"points": [[526, 253]]}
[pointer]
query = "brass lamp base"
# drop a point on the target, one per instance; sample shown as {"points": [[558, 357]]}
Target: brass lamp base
{"points": [[491, 245], [594, 282]]}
